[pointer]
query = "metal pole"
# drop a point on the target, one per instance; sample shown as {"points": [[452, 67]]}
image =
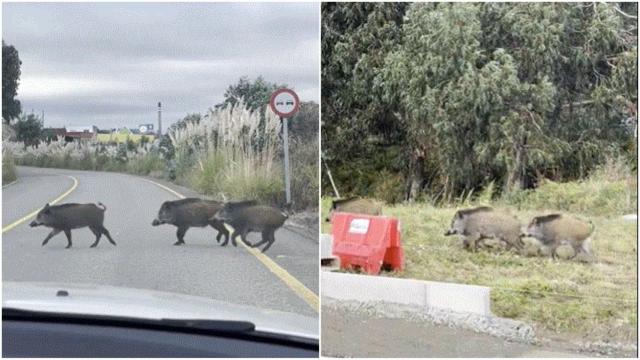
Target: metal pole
{"points": [[159, 119], [335, 189], [287, 181]]}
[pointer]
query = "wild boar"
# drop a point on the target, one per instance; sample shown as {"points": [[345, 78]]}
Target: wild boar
{"points": [[477, 224], [555, 230], [70, 216], [191, 212], [355, 205], [248, 216]]}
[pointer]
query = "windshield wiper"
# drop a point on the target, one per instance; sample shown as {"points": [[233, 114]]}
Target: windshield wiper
{"points": [[191, 325]]}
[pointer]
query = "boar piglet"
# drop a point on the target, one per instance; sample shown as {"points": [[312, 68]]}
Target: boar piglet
{"points": [[555, 230], [248, 216], [73, 216], [190, 212]]}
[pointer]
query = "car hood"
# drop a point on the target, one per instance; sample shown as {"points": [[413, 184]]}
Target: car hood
{"points": [[148, 304]]}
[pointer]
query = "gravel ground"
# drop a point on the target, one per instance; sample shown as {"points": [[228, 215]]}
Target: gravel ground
{"points": [[351, 329]]}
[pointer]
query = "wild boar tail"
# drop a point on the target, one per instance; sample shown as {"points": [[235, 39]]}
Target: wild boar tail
{"points": [[593, 227], [102, 205]]}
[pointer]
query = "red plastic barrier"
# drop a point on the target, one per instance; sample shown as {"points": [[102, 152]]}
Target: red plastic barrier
{"points": [[367, 242]]}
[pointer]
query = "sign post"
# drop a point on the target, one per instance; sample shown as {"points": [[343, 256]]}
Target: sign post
{"points": [[285, 103]]}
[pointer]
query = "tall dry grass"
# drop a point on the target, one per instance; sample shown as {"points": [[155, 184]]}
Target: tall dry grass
{"points": [[231, 153]]}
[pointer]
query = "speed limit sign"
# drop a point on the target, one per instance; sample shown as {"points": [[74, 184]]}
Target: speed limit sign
{"points": [[284, 102]]}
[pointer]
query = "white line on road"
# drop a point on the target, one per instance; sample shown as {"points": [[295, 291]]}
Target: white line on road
{"points": [[35, 212]]}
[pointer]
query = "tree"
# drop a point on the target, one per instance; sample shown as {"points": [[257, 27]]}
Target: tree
{"points": [[11, 107], [29, 129], [254, 94], [478, 93], [359, 127]]}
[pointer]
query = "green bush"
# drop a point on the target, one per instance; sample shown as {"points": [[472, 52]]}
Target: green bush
{"points": [[237, 179], [594, 196], [389, 187], [304, 174]]}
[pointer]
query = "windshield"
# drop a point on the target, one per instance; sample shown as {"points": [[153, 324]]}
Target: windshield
{"points": [[148, 120]]}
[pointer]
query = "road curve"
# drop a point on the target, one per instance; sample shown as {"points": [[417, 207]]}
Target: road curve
{"points": [[144, 256]]}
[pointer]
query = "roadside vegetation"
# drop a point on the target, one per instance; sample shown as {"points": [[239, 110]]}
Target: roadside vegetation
{"points": [[527, 107], [587, 301], [8, 168], [233, 152]]}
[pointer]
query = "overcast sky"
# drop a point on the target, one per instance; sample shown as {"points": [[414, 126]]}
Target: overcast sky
{"points": [[109, 64]]}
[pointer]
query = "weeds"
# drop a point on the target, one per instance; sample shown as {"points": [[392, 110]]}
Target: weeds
{"points": [[229, 153]]}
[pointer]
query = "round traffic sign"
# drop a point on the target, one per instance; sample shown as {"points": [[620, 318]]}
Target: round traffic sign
{"points": [[284, 102]]}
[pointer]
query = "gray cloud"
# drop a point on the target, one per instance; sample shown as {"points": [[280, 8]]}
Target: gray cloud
{"points": [[108, 64]]}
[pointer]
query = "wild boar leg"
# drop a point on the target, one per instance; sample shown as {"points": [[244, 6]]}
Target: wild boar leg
{"points": [[97, 233], [235, 234], [222, 230], [180, 234], [243, 237], [53, 233], [265, 239], [68, 233], [272, 239], [106, 233], [471, 241]]}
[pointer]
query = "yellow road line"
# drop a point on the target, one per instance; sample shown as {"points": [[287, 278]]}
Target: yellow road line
{"points": [[11, 183], [294, 284], [34, 213]]}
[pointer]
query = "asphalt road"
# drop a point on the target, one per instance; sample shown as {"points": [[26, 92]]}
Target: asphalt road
{"points": [[144, 256], [349, 333]]}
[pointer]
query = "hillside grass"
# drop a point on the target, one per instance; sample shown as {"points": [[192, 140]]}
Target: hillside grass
{"points": [[594, 301]]}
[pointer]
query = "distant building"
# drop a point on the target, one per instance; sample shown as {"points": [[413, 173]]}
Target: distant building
{"points": [[146, 129], [52, 134], [122, 135], [80, 133]]}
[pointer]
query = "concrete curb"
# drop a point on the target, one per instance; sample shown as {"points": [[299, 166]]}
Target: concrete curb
{"points": [[422, 294], [326, 244], [511, 330]]}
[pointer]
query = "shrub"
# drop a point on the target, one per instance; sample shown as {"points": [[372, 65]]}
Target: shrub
{"points": [[610, 190]]}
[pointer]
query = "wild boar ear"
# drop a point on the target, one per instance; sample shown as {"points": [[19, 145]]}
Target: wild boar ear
{"points": [[46, 206]]}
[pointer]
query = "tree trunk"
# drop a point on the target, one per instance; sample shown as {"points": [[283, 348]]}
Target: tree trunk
{"points": [[417, 176], [516, 175]]}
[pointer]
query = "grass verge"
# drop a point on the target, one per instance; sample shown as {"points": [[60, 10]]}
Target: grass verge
{"points": [[593, 301]]}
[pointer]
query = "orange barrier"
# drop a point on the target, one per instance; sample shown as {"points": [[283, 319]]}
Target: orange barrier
{"points": [[367, 242]]}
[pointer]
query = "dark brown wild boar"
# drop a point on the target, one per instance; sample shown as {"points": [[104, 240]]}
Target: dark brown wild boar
{"points": [[72, 216], [248, 216], [190, 212]]}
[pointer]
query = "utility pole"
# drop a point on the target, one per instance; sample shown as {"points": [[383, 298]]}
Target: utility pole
{"points": [[159, 119]]}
